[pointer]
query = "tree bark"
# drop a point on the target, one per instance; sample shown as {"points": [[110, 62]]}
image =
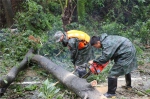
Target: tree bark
{"points": [[75, 13], [2, 16], [78, 85], [1, 12], [67, 14], [5, 81], [8, 12]]}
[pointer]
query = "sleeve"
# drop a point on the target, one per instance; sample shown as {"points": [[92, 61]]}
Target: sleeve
{"points": [[65, 43], [107, 53], [73, 46]]}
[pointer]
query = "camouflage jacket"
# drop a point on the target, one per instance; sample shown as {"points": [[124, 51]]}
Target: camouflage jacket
{"points": [[78, 57], [119, 49]]}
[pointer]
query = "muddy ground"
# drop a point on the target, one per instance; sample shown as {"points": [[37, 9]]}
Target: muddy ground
{"points": [[140, 84]]}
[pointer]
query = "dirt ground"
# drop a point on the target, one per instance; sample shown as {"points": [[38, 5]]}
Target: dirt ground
{"points": [[140, 83]]}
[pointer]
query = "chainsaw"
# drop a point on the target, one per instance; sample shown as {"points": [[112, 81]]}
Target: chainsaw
{"points": [[95, 69]]}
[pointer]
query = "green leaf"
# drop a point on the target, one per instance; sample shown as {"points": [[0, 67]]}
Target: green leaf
{"points": [[42, 95], [124, 0], [30, 87], [136, 6], [147, 91], [5, 81], [46, 82], [56, 91], [50, 85]]}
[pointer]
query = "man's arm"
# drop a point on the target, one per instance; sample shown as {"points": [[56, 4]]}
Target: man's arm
{"points": [[73, 46], [64, 42], [107, 52]]}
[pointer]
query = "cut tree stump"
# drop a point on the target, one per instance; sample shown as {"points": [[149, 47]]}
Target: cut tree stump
{"points": [[78, 85]]}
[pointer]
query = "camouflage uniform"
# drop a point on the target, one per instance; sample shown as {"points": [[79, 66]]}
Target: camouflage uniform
{"points": [[79, 57], [119, 49]]}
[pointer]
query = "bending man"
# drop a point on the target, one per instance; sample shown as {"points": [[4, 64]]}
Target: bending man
{"points": [[123, 52], [80, 49]]}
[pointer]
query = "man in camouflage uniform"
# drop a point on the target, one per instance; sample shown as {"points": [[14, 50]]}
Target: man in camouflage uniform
{"points": [[79, 57], [123, 52]]}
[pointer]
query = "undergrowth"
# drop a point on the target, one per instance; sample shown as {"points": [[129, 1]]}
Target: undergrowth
{"points": [[37, 21]]}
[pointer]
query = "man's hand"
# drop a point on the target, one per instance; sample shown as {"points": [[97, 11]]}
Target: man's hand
{"points": [[90, 62]]}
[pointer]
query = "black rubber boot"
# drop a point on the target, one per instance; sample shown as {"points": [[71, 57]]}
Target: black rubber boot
{"points": [[112, 86], [128, 82], [2, 91], [128, 79]]}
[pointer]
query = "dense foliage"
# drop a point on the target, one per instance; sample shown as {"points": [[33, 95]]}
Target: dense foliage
{"points": [[42, 18]]}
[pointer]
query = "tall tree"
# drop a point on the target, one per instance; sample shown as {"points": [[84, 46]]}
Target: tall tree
{"points": [[75, 13], [8, 12], [67, 12], [1, 11]]}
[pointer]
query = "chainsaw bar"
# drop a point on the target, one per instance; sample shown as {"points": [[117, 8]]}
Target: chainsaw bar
{"points": [[86, 75]]}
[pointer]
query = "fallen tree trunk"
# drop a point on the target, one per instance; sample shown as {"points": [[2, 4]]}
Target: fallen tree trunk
{"points": [[78, 85], [5, 81]]}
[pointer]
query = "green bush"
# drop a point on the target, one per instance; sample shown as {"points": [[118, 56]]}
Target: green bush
{"points": [[49, 91], [112, 28], [15, 47], [145, 33], [34, 18]]}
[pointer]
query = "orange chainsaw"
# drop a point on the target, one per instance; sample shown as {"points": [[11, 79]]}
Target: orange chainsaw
{"points": [[95, 69]]}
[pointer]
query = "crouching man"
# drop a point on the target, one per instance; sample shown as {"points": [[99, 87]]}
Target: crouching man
{"points": [[123, 52], [80, 49]]}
